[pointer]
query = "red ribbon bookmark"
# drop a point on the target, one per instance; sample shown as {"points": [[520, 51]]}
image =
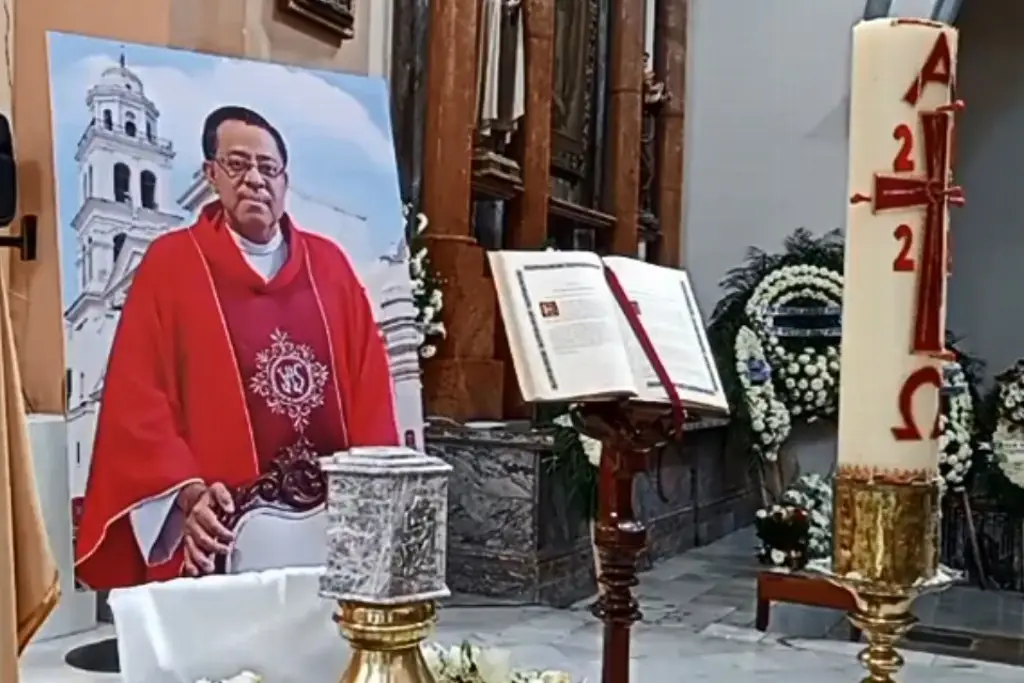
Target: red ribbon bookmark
{"points": [[678, 412]]}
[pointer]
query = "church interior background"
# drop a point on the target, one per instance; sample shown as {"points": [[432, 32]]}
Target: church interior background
{"points": [[576, 124]]}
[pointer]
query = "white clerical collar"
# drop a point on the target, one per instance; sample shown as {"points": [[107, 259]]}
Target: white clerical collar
{"points": [[256, 248]]}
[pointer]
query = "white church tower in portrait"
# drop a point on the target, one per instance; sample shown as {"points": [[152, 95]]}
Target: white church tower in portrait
{"points": [[389, 281], [124, 172]]}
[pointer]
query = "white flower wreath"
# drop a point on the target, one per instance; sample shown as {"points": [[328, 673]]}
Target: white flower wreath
{"points": [[808, 377], [426, 290], [1011, 395], [811, 494], [1008, 453], [769, 418], [956, 423], [1008, 438]]}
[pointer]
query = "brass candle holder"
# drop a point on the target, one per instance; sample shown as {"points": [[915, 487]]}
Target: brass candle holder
{"points": [[886, 554], [385, 641]]}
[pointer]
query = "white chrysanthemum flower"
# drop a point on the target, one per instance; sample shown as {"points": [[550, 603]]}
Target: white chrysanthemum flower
{"points": [[592, 449], [956, 426], [553, 677], [473, 664], [493, 665], [427, 295], [434, 656]]}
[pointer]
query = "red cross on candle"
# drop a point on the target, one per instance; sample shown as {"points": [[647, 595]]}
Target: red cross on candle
{"points": [[934, 192]]}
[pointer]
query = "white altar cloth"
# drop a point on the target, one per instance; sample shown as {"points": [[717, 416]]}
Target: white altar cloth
{"points": [[273, 623]]}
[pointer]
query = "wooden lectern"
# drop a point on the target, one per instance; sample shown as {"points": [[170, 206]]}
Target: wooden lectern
{"points": [[629, 433]]}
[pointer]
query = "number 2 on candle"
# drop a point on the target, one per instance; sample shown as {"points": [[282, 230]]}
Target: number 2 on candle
{"points": [[904, 262], [903, 163]]}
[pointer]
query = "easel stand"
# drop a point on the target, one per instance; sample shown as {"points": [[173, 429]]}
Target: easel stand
{"points": [[628, 433]]}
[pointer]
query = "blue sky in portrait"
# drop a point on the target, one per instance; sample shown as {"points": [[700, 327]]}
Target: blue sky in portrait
{"points": [[336, 126]]}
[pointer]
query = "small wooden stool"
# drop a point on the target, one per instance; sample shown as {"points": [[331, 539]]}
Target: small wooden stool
{"points": [[799, 590]]}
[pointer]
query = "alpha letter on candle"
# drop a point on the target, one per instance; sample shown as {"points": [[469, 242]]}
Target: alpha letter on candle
{"points": [[938, 68], [901, 129]]}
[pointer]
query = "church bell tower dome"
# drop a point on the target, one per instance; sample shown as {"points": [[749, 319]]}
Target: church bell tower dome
{"points": [[122, 78], [124, 168]]}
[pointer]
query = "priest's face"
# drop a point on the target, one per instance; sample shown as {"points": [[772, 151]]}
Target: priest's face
{"points": [[249, 177]]}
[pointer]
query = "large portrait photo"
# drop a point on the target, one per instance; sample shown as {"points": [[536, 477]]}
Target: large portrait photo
{"points": [[237, 303]]}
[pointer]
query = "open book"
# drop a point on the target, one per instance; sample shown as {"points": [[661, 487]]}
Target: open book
{"points": [[571, 340]]}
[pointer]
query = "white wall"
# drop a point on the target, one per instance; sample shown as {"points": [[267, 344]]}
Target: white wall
{"points": [[766, 146], [766, 127], [766, 116], [988, 233]]}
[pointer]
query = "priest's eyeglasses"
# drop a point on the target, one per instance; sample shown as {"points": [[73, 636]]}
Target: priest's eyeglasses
{"points": [[239, 166]]}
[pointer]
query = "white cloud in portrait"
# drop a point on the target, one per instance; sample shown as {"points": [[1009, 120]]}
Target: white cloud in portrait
{"points": [[292, 99], [320, 216]]}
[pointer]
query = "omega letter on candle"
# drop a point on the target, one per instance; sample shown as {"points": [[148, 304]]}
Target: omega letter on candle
{"points": [[902, 107]]}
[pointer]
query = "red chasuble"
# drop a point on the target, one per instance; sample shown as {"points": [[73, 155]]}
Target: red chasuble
{"points": [[214, 373]]}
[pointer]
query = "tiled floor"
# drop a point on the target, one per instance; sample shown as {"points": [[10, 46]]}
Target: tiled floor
{"points": [[722, 574], [570, 641], [698, 610]]}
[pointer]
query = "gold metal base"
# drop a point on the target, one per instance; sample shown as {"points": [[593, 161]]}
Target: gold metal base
{"points": [[884, 619], [386, 641], [885, 553], [886, 535]]}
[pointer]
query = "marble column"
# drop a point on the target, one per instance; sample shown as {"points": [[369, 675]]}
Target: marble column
{"points": [[670, 67], [625, 102], [464, 380]]}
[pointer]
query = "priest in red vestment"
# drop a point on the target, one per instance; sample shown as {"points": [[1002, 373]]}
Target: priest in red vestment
{"points": [[243, 340]]}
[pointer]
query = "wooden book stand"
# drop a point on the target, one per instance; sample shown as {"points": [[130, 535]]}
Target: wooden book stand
{"points": [[628, 433]]}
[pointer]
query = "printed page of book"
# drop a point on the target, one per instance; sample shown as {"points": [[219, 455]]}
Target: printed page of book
{"points": [[667, 308], [561, 323]]}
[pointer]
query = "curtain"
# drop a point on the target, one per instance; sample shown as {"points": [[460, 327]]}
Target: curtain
{"points": [[29, 589]]}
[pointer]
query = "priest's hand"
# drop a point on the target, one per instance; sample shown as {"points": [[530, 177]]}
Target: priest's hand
{"points": [[204, 535]]}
